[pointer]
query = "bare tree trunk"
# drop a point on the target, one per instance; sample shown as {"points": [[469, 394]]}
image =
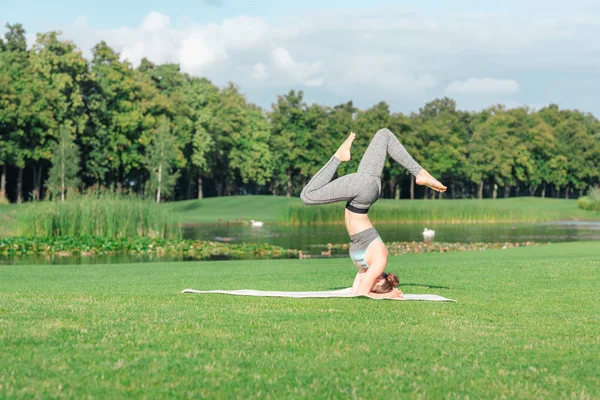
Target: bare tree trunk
{"points": [[544, 190], [391, 187], [480, 191], [188, 195], [39, 181], [35, 191], [495, 191], [506, 191], [567, 192], [412, 187], [3, 183], [200, 189], [159, 182], [452, 190], [397, 190], [62, 178], [557, 193], [288, 191], [20, 186]]}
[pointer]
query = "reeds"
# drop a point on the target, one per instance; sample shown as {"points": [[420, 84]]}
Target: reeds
{"points": [[590, 202], [423, 212], [100, 214]]}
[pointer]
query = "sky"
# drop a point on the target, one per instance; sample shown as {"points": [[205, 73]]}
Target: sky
{"points": [[518, 53]]}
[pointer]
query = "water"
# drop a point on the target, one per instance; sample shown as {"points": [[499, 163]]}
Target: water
{"points": [[309, 237], [313, 239]]}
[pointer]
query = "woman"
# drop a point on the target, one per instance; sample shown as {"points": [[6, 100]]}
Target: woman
{"points": [[361, 190]]}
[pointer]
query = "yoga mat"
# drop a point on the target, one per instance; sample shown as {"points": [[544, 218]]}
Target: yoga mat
{"points": [[302, 295]]}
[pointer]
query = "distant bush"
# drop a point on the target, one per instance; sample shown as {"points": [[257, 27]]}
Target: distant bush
{"points": [[4, 202], [590, 202]]}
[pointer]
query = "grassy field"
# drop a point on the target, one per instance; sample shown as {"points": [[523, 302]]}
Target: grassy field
{"points": [[276, 208], [525, 326], [271, 208]]}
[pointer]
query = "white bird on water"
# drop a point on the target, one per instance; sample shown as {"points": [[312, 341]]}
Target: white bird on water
{"points": [[256, 224], [428, 234]]}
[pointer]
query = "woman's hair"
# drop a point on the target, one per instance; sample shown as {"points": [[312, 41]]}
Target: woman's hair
{"points": [[390, 281]]}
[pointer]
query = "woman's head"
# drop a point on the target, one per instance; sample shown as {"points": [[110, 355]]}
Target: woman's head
{"points": [[386, 283]]}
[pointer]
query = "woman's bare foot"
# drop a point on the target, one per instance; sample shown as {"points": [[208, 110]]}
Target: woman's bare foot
{"points": [[425, 179], [343, 153]]}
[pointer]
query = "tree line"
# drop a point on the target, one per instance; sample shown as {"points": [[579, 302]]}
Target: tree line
{"points": [[67, 123]]}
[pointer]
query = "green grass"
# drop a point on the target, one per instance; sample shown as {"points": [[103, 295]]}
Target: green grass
{"points": [[238, 208], [100, 214], [524, 209], [271, 208], [525, 326], [280, 209]]}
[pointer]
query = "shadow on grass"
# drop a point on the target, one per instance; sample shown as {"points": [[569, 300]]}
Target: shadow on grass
{"points": [[424, 285], [403, 285], [191, 207]]}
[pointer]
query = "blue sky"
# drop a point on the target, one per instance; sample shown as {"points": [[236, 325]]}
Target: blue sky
{"points": [[520, 53]]}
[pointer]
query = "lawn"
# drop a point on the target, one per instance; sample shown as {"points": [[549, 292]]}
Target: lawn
{"points": [[273, 208], [277, 208], [525, 326]]}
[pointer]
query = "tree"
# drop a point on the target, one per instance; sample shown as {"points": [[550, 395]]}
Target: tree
{"points": [[160, 161], [250, 158], [288, 140], [63, 174], [15, 104], [58, 70], [203, 148], [440, 131], [126, 118]]}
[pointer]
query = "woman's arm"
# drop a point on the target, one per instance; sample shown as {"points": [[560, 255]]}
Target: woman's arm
{"points": [[376, 258], [394, 294]]}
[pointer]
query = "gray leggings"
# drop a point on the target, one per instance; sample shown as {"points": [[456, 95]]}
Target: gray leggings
{"points": [[361, 189]]}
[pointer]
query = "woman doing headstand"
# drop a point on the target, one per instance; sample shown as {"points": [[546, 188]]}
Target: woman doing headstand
{"points": [[361, 190]]}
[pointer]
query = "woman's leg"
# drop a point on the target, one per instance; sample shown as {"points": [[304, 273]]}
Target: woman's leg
{"points": [[385, 142], [321, 190]]}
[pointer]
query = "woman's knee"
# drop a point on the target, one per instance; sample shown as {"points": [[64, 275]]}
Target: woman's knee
{"points": [[304, 197], [384, 132]]}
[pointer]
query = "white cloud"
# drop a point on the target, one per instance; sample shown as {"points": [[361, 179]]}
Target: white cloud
{"points": [[260, 72], [398, 54], [486, 86], [302, 72]]}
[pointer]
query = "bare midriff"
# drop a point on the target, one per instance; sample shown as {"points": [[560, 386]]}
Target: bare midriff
{"points": [[356, 223]]}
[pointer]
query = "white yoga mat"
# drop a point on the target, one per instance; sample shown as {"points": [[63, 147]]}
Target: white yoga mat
{"points": [[301, 295]]}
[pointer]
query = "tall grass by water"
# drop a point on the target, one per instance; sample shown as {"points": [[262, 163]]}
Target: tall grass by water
{"points": [[100, 214], [591, 202], [438, 211]]}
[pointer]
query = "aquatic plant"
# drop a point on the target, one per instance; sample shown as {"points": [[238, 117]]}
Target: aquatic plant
{"points": [[98, 213], [423, 212], [590, 202], [89, 246]]}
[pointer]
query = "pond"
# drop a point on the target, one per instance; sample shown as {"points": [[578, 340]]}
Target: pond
{"points": [[311, 236], [312, 239]]}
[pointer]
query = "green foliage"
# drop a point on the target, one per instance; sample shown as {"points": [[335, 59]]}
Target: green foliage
{"points": [[95, 245], [459, 211], [63, 175], [590, 202], [525, 326], [161, 156], [98, 213], [4, 202], [226, 145]]}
